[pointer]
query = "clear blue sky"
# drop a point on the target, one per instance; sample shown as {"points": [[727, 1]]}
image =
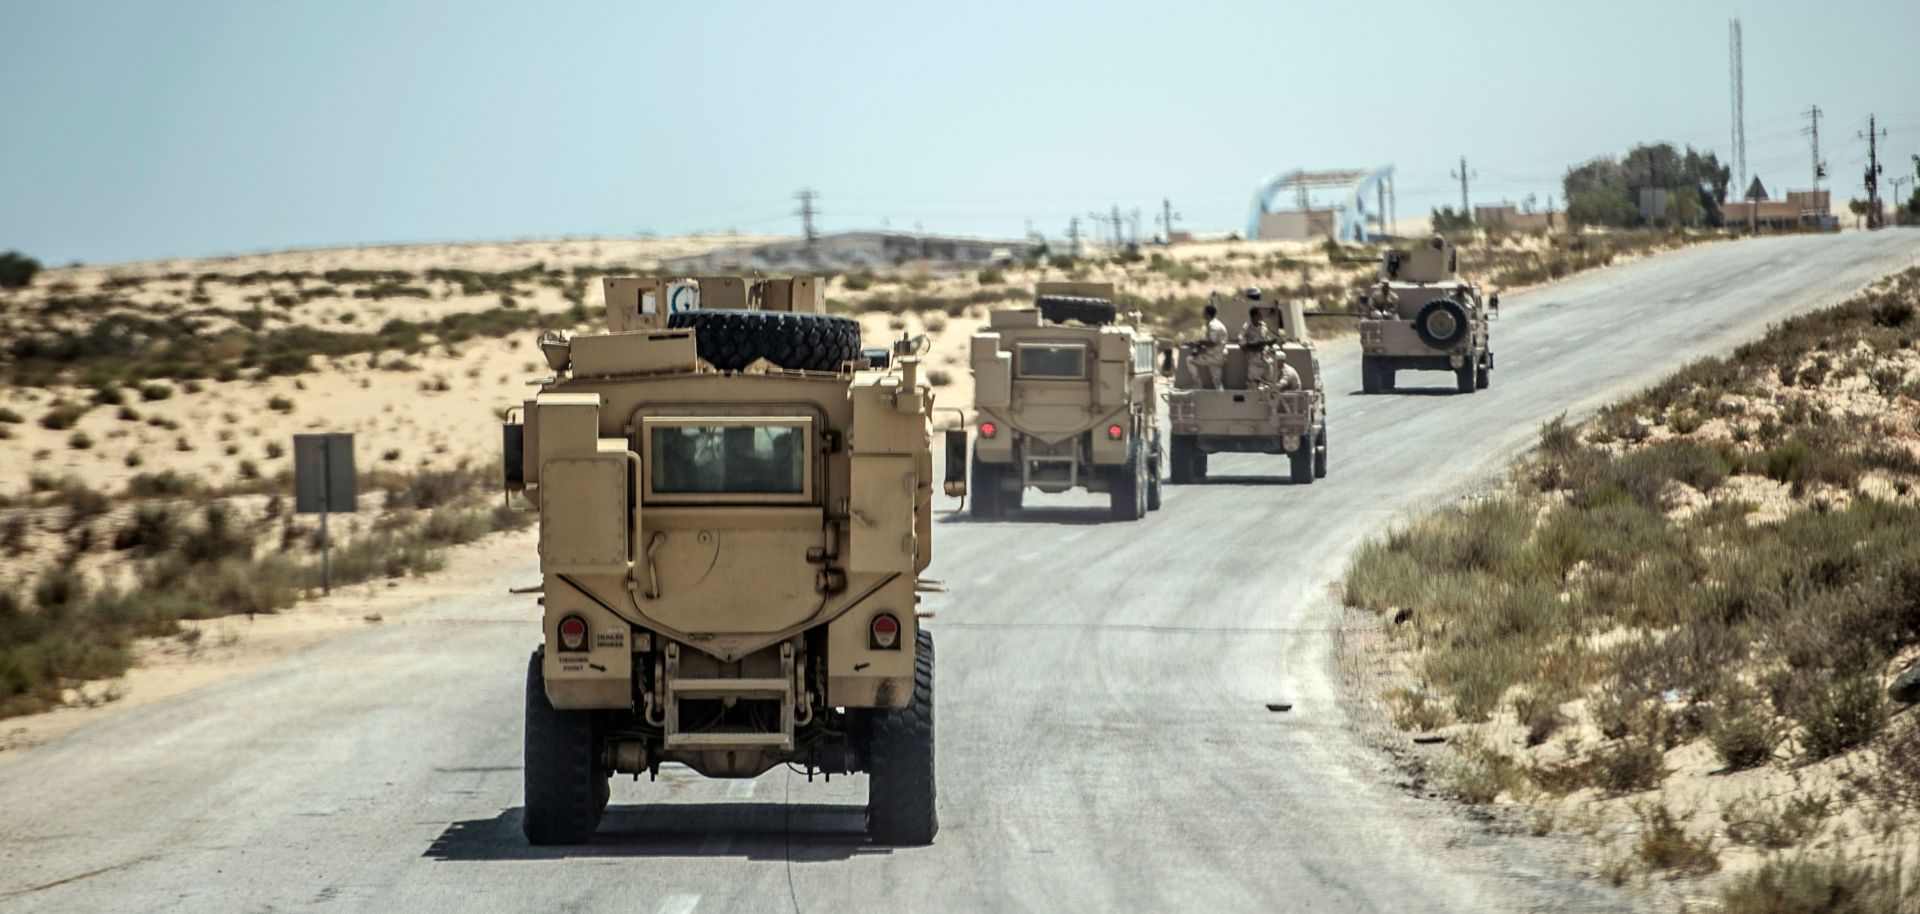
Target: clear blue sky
{"points": [[135, 130]]}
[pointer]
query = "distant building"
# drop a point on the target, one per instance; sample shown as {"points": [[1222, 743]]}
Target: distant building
{"points": [[1296, 224], [1800, 208]]}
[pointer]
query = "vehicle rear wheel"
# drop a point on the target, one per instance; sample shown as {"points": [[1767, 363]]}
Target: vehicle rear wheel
{"points": [[985, 489], [1153, 481], [1369, 376], [1180, 460], [566, 786], [1127, 487], [1464, 377], [1301, 462], [901, 789], [1199, 465], [1388, 378], [1485, 377], [1320, 454], [797, 340]]}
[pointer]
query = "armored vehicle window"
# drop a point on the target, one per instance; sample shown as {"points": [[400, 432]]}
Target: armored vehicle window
{"points": [[1043, 361], [695, 460], [1142, 356]]}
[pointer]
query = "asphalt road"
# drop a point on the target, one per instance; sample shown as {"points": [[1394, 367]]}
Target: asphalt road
{"points": [[1103, 733]]}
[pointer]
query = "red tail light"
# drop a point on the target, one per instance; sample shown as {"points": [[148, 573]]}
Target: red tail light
{"points": [[573, 634], [1115, 432], [987, 429], [885, 633]]}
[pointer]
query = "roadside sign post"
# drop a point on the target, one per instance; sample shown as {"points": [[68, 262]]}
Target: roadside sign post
{"points": [[324, 482]]}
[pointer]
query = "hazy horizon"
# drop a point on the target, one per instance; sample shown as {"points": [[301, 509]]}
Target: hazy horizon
{"points": [[139, 131]]}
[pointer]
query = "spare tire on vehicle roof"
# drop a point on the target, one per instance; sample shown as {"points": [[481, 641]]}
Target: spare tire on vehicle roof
{"points": [[1441, 323], [1063, 308], [800, 341]]}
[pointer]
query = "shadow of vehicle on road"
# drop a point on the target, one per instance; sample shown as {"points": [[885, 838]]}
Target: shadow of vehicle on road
{"points": [[1447, 390], [804, 833], [1214, 479], [1063, 516]]}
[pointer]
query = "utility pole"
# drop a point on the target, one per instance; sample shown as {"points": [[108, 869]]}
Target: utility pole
{"points": [[1073, 236], [806, 212], [1166, 218], [1819, 167], [1117, 224], [1738, 78], [1873, 172], [1462, 175]]}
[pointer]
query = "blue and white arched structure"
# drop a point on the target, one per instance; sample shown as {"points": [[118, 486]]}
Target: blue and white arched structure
{"points": [[1361, 204]]}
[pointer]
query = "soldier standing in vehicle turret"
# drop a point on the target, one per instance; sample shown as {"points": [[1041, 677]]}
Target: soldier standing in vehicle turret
{"points": [[1209, 360], [1262, 346]]}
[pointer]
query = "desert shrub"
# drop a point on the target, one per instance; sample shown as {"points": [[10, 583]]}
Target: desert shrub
{"points": [[162, 484], [1665, 845], [452, 528], [1629, 766], [217, 538], [8, 416], [279, 404], [1822, 885], [62, 415], [858, 281], [506, 518], [1842, 713], [154, 529], [1743, 736], [155, 391], [425, 491], [80, 441], [939, 377], [17, 270], [1755, 822], [109, 395], [990, 276]]}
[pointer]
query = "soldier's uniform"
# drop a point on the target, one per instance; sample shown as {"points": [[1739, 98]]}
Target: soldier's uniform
{"points": [[1260, 358], [1210, 363]]}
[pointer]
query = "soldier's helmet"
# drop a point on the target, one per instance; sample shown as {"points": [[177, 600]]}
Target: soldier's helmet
{"points": [[1253, 293]]}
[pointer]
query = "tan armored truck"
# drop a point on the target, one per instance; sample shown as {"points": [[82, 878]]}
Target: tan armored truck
{"points": [[1422, 317], [1063, 399], [1259, 418], [735, 507]]}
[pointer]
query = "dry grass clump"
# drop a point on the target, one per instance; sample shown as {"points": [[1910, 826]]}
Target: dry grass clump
{"points": [[1823, 885]]}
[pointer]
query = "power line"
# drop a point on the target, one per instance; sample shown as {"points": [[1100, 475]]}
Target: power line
{"points": [[806, 212]]}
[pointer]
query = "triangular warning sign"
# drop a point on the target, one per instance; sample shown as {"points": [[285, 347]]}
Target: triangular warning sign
{"points": [[1756, 190]]}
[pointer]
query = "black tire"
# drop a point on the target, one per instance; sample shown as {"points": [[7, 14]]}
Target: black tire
{"points": [[901, 787], [1485, 378], [1320, 454], [1388, 379], [1126, 489], [1466, 378], [1153, 479], [984, 488], [732, 340], [565, 785], [1369, 376], [1199, 465], [1443, 336], [1180, 460], [1301, 464], [1062, 308], [1015, 500]]}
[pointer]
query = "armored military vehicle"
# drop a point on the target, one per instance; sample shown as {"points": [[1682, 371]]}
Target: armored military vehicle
{"points": [[1063, 398], [735, 507], [1422, 317], [1260, 418]]}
